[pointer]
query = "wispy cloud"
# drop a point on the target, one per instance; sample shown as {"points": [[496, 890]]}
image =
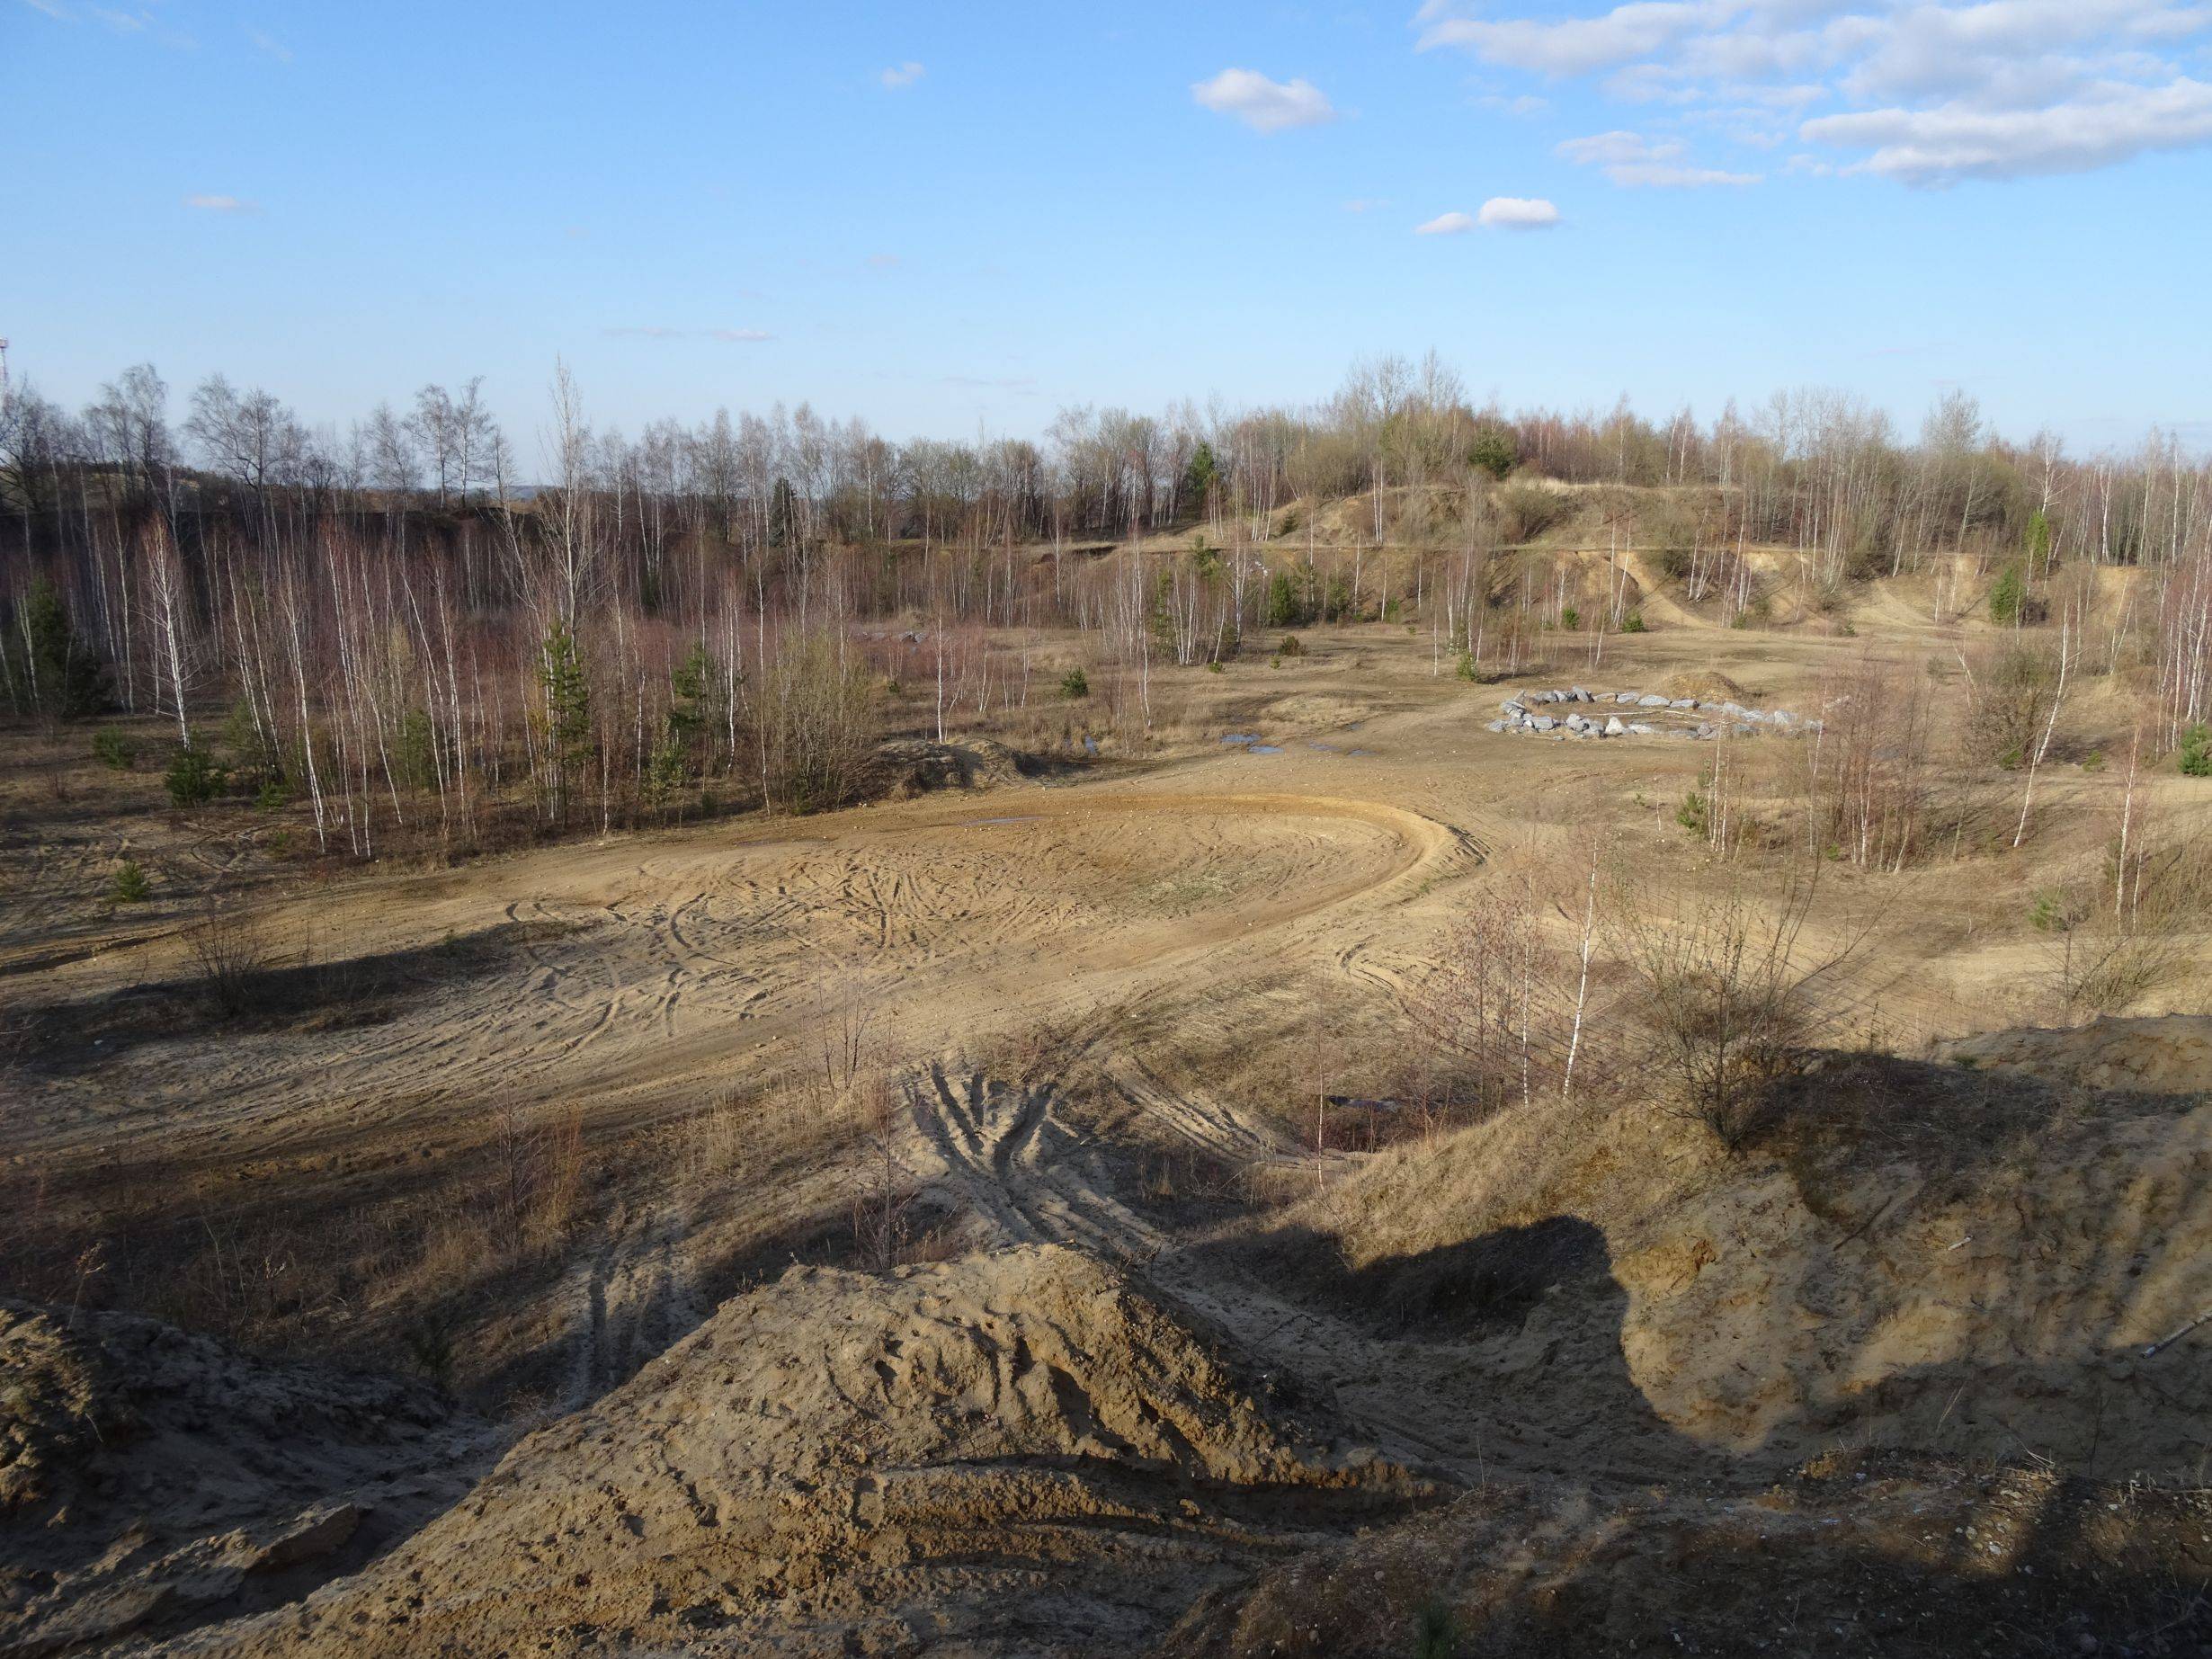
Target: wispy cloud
{"points": [[59, 13], [221, 204], [1518, 213], [1631, 160], [1954, 141], [902, 74], [728, 337], [1261, 104], [1366, 204], [269, 43], [882, 261], [1446, 225], [1925, 92]]}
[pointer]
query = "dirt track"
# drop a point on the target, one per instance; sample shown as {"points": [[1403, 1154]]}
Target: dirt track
{"points": [[1086, 1001]]}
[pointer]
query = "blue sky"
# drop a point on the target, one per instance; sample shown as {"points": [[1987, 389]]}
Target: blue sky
{"points": [[953, 217]]}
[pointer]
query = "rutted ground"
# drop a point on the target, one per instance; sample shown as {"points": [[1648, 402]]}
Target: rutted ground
{"points": [[1111, 1417]]}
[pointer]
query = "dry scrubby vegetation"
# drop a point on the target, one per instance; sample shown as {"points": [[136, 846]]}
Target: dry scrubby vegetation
{"points": [[1682, 976], [385, 633]]}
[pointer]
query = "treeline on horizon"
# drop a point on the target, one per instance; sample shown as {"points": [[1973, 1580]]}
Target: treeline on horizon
{"points": [[388, 628]]}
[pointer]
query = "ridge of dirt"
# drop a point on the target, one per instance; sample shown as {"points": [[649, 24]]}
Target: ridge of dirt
{"points": [[151, 1480], [1909, 1557], [1019, 1450], [1917, 1255]]}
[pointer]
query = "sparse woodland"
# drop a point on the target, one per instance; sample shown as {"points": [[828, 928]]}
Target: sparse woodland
{"points": [[422, 636]]}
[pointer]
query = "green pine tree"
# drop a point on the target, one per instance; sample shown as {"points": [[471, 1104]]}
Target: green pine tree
{"points": [[55, 668], [567, 719], [1198, 476], [2006, 595]]}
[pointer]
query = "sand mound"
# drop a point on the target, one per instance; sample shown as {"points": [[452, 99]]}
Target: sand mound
{"points": [[1908, 1557], [911, 766], [1704, 684], [2169, 1054], [149, 1479], [1012, 1453], [1914, 1256]]}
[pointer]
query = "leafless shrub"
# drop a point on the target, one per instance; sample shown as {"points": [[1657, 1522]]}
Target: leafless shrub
{"points": [[2135, 926], [816, 725], [1730, 999], [230, 951], [2013, 687], [842, 1013], [882, 1189], [1508, 1008], [1868, 777]]}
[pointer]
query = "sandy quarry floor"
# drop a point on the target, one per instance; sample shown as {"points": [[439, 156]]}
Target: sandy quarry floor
{"points": [[1091, 996]]}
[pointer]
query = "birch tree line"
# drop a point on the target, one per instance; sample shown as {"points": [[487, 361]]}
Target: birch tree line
{"points": [[405, 623]]}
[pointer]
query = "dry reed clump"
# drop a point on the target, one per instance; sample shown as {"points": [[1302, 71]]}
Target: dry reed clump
{"points": [[712, 1145]]}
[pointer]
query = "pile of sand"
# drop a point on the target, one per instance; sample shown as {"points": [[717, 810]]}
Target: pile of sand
{"points": [[907, 767], [1908, 1557], [1969, 1262], [2163, 1055], [1706, 684], [150, 1480], [1014, 1453]]}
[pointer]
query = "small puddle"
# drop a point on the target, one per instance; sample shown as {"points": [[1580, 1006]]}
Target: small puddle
{"points": [[1240, 738], [1264, 748]]}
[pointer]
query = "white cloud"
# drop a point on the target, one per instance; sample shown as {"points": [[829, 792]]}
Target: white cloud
{"points": [[903, 74], [1925, 90], [1498, 214], [270, 44], [1633, 161], [221, 204], [50, 9], [1518, 213], [1264, 105], [1575, 46], [1954, 141]]}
